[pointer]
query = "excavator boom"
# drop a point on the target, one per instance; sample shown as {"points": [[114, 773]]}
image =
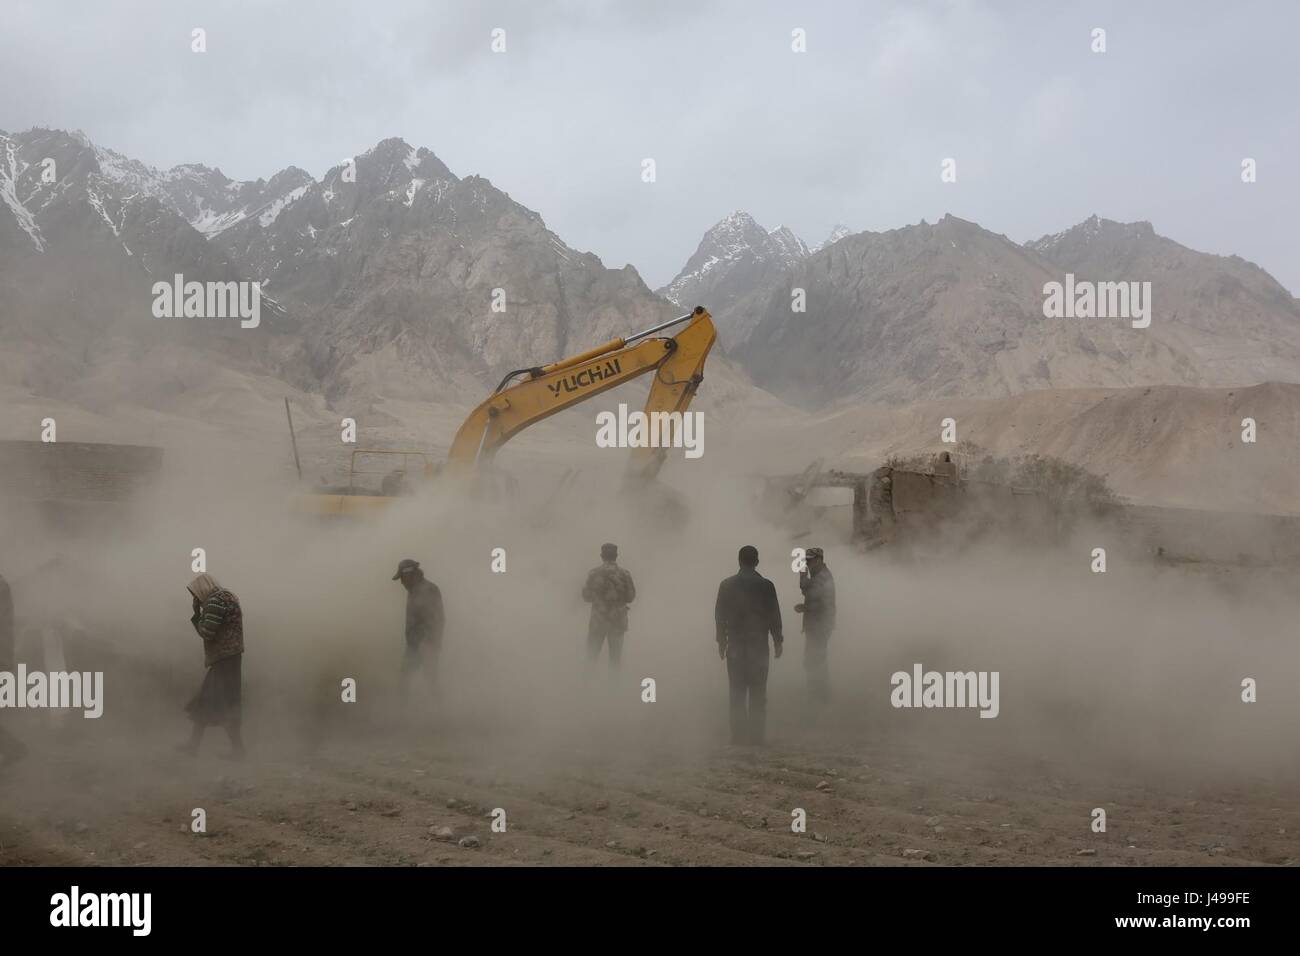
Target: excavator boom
{"points": [[677, 362]]}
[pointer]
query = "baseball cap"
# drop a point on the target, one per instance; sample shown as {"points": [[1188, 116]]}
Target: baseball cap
{"points": [[406, 564]]}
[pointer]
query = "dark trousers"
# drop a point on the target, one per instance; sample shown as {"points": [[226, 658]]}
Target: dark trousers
{"points": [[598, 633], [420, 660], [219, 700], [747, 664], [816, 665]]}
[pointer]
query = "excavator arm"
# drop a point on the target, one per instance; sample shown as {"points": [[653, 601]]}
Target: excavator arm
{"points": [[676, 361]]}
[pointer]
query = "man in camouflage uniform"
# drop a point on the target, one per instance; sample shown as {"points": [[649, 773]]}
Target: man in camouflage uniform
{"points": [[746, 612], [11, 748], [425, 620], [609, 590], [219, 621], [818, 610]]}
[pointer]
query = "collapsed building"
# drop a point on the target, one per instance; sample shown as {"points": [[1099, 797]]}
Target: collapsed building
{"points": [[936, 505]]}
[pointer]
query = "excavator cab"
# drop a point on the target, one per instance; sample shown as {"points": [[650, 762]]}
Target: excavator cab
{"points": [[375, 477]]}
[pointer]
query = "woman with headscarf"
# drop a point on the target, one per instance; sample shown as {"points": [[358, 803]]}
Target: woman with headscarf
{"points": [[219, 621]]}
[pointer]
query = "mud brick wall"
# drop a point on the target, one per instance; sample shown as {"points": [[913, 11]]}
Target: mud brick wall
{"points": [[921, 503], [917, 492], [925, 503], [77, 471]]}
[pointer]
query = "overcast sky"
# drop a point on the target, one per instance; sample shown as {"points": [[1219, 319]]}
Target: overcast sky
{"points": [[1045, 132]]}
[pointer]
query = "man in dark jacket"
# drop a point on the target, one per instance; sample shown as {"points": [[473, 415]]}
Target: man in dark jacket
{"points": [[424, 619], [11, 748], [745, 613], [219, 621], [609, 590], [818, 610]]}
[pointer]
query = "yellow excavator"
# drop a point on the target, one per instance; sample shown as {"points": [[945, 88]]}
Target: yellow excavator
{"points": [[528, 395]]}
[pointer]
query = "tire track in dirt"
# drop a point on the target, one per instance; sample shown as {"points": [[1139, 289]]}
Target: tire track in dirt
{"points": [[869, 815], [530, 813], [723, 824], [527, 835], [756, 840], [537, 814], [1040, 816], [374, 803]]}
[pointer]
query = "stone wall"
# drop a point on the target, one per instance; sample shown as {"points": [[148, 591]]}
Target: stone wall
{"points": [[907, 506], [75, 471]]}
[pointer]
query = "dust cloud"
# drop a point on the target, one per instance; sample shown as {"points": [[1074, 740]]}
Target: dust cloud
{"points": [[1135, 670]]}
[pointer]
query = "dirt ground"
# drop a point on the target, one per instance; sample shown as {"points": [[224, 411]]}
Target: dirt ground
{"points": [[380, 800], [1120, 691]]}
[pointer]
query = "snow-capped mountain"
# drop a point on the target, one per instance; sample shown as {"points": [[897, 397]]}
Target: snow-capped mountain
{"points": [[735, 257], [728, 256], [206, 198], [67, 199], [380, 278], [49, 165], [397, 260], [786, 245], [837, 233]]}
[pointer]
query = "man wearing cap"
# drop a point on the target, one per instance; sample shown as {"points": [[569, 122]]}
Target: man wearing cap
{"points": [[746, 612], [424, 619], [609, 590], [818, 610]]}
